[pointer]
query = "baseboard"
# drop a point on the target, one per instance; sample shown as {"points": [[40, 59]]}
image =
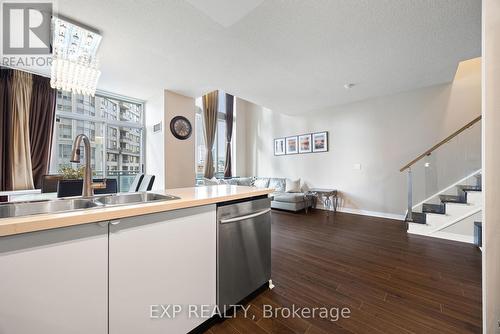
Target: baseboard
{"points": [[368, 213], [455, 237], [448, 236]]}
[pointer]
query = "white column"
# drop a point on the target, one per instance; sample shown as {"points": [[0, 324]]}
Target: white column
{"points": [[491, 165]]}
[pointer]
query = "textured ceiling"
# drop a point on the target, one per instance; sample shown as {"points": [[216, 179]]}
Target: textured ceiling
{"points": [[226, 12], [290, 56]]}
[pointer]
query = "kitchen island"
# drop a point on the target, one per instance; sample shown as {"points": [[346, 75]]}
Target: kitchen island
{"points": [[117, 269]]}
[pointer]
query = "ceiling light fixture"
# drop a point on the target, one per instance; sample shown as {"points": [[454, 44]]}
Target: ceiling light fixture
{"points": [[348, 85], [74, 60]]}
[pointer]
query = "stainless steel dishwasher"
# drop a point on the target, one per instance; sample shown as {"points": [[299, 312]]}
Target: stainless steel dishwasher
{"points": [[243, 249]]}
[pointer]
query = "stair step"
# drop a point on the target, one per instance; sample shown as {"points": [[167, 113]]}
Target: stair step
{"points": [[478, 235], [434, 208], [470, 188], [479, 179], [452, 199], [419, 218]]}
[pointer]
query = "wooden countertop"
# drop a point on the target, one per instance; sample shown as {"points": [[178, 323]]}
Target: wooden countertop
{"points": [[189, 197]]}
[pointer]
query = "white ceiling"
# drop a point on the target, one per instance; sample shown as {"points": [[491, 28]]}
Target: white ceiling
{"points": [[290, 56]]}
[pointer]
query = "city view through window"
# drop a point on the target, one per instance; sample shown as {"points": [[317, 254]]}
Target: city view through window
{"points": [[115, 129]]}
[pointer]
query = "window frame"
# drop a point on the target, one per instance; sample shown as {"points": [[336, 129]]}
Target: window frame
{"points": [[105, 121]]}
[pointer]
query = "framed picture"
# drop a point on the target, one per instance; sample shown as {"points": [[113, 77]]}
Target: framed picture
{"points": [[292, 146], [320, 142], [279, 146], [305, 143]]}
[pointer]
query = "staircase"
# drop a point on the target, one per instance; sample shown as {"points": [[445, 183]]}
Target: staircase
{"points": [[445, 180], [452, 210]]}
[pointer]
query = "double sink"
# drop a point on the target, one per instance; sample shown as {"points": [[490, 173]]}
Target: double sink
{"points": [[19, 209]]}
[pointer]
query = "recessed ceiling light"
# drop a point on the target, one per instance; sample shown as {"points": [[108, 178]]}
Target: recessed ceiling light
{"points": [[348, 85]]}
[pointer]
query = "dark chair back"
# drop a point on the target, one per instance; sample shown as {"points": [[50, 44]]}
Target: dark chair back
{"points": [[69, 188], [147, 183], [136, 183], [111, 187], [49, 183]]}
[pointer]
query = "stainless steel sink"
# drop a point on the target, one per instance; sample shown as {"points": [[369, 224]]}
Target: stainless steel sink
{"points": [[51, 206], [18, 209], [134, 198]]}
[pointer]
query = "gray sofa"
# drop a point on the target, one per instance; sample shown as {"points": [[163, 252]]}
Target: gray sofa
{"points": [[280, 198], [290, 201]]}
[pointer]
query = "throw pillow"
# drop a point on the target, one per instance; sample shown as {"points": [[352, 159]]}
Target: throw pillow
{"points": [[292, 186], [261, 183], [211, 182], [278, 184]]}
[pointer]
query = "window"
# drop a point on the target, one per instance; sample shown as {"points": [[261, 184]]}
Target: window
{"points": [[115, 129], [219, 149], [65, 128]]}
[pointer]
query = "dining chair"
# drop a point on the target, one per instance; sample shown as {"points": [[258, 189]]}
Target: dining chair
{"points": [[134, 186], [69, 188], [111, 187], [147, 183], [49, 182]]}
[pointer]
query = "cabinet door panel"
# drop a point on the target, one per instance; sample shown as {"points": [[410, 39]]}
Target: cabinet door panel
{"points": [[163, 258], [54, 281]]}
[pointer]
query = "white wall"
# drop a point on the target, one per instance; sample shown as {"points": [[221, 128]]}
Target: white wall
{"points": [[171, 160], [155, 160], [381, 134], [465, 227], [240, 137], [491, 163], [179, 154]]}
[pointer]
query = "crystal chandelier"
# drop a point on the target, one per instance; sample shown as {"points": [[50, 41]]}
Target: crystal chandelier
{"points": [[74, 62]]}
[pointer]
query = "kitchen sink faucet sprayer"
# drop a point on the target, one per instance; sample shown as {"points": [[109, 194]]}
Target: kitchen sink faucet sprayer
{"points": [[88, 185]]}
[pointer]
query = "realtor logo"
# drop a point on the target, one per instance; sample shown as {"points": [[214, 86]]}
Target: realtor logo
{"points": [[26, 28]]}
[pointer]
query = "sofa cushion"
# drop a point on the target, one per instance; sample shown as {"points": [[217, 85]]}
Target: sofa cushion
{"points": [[228, 181], [261, 182], [233, 182], [289, 197], [277, 184], [289, 206]]}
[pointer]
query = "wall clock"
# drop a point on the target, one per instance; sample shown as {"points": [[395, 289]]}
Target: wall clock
{"points": [[181, 127]]}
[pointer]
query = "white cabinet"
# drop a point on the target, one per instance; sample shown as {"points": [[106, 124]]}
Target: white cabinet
{"points": [[54, 281], [163, 258], [84, 278]]}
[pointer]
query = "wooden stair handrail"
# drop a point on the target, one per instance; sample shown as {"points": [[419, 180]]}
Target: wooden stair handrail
{"points": [[442, 142]]}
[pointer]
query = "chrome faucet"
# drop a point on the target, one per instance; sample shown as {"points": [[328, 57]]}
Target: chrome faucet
{"points": [[88, 185]]}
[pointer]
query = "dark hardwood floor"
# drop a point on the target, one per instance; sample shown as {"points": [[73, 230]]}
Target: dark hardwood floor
{"points": [[392, 282]]}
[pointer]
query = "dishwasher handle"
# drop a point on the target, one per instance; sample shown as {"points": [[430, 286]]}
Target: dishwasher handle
{"points": [[240, 218]]}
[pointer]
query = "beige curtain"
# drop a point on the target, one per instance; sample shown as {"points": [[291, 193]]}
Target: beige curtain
{"points": [[210, 106], [22, 177]]}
